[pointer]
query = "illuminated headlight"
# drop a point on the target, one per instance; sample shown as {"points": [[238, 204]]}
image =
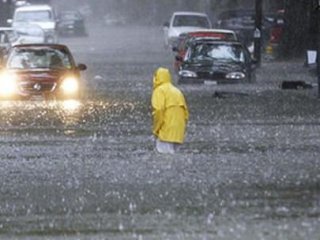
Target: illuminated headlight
{"points": [[70, 85], [186, 73], [235, 75], [8, 84]]}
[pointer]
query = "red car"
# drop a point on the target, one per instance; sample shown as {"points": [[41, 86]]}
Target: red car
{"points": [[211, 34], [45, 70]]}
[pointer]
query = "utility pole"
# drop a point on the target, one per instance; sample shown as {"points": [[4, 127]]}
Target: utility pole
{"points": [[258, 31]]}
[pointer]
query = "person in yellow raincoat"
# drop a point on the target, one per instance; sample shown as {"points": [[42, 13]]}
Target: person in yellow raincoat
{"points": [[169, 112]]}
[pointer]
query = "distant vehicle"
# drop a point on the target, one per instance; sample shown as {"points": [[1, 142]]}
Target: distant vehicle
{"points": [[185, 39], [217, 62], [43, 70], [26, 33], [71, 23], [41, 15], [182, 22], [276, 31], [242, 21]]}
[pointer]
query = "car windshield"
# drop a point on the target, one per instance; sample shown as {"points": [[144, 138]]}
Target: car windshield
{"points": [[33, 16], [191, 21], [217, 52], [39, 59]]}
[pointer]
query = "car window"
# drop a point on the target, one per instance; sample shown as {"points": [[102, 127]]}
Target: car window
{"points": [[33, 16], [39, 59], [218, 52], [192, 21]]}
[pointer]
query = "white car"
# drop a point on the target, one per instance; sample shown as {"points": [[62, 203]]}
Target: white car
{"points": [[41, 15], [182, 22], [28, 33]]}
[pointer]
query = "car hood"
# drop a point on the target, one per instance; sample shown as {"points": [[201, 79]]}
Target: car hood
{"points": [[209, 66]]}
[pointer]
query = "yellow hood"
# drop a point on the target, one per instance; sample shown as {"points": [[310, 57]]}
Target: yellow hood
{"points": [[161, 76]]}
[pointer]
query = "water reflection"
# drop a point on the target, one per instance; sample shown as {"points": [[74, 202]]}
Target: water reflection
{"points": [[42, 114], [69, 112]]}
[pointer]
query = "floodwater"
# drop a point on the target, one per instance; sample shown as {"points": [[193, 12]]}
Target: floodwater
{"points": [[249, 168]]}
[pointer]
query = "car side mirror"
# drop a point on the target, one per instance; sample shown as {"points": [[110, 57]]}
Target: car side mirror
{"points": [[82, 67], [166, 24], [9, 21]]}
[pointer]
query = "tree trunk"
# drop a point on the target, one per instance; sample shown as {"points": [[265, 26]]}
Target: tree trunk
{"points": [[296, 38]]}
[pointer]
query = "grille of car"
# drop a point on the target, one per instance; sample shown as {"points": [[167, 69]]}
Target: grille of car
{"points": [[37, 87], [211, 75]]}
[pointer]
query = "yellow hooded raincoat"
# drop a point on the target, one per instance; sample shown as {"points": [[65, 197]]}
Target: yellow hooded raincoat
{"points": [[170, 112]]}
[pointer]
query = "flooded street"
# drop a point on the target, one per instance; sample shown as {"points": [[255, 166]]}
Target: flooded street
{"points": [[249, 168]]}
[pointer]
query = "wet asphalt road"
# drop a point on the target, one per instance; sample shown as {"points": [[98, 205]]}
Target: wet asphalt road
{"points": [[87, 170]]}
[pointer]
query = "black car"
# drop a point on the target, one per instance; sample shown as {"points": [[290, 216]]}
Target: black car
{"points": [[71, 23], [242, 21], [217, 62]]}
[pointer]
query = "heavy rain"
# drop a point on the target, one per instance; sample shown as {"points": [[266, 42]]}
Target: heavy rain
{"points": [[88, 169]]}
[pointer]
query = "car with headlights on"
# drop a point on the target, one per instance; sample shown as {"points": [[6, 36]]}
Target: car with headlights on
{"points": [[48, 71], [217, 62]]}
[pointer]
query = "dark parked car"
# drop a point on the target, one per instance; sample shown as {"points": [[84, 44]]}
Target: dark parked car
{"points": [[217, 62], [186, 39], [71, 23], [242, 21], [45, 70]]}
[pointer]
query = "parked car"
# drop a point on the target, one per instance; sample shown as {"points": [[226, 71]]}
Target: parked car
{"points": [[182, 22], [25, 33], [71, 23], [276, 32], [217, 62], [28, 33], [44, 70], [242, 21], [185, 39], [41, 15]]}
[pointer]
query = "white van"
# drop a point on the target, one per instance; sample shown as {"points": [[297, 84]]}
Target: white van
{"points": [[183, 22], [41, 15]]}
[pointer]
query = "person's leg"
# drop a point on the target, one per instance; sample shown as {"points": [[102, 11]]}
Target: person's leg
{"points": [[164, 147]]}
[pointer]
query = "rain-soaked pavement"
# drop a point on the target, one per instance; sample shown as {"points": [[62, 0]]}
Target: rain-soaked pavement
{"points": [[87, 170]]}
